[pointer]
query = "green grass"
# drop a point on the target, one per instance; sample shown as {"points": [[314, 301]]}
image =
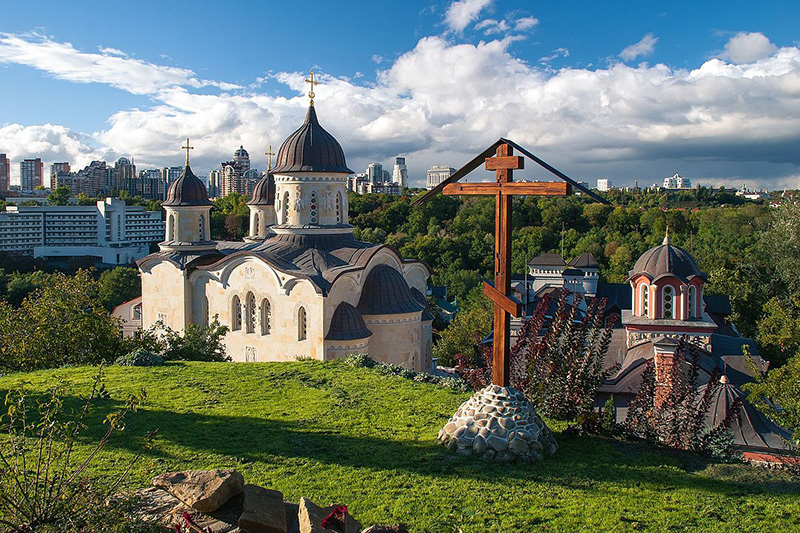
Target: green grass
{"points": [[350, 435]]}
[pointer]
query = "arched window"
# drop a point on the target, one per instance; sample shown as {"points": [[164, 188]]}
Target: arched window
{"points": [[255, 230], [236, 314], [692, 301], [302, 324], [137, 312], [206, 315], [668, 302], [251, 312], [202, 228], [285, 208], [644, 300], [266, 317], [171, 228], [313, 207], [338, 207]]}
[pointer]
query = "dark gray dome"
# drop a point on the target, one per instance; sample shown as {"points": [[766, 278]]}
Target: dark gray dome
{"points": [[187, 190], [311, 149], [386, 292], [420, 299], [241, 152], [667, 260], [347, 324], [750, 429], [264, 191]]}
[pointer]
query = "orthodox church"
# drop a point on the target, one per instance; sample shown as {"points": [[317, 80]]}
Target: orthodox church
{"points": [[662, 303], [300, 284]]}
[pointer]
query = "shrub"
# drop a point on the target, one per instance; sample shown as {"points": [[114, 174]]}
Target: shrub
{"points": [[196, 343], [140, 357], [42, 485], [365, 361]]}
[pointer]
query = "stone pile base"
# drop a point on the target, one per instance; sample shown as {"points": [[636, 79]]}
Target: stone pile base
{"points": [[498, 423]]}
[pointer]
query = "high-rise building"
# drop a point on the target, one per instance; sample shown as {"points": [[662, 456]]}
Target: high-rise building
{"points": [[237, 176], [55, 168], [213, 183], [170, 174], [5, 173], [400, 172], [30, 174], [677, 182], [436, 175], [375, 173], [123, 176], [604, 184]]}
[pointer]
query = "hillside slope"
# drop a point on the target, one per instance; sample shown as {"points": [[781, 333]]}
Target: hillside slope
{"points": [[339, 434]]}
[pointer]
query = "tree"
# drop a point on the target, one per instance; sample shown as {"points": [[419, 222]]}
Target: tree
{"points": [[61, 322], [777, 395], [119, 285], [467, 328], [60, 196], [196, 343], [234, 225]]}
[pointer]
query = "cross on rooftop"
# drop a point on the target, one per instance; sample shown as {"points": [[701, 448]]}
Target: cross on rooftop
{"points": [[187, 148], [310, 80], [269, 153]]}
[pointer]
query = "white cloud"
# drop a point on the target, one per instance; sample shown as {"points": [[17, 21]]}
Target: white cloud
{"points": [[442, 102], [377, 59], [496, 27], [558, 52], [747, 48], [463, 12], [65, 62], [645, 47], [525, 23]]}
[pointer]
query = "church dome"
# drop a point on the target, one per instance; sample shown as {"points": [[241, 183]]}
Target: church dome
{"points": [[347, 324], [386, 292], [241, 153], [667, 260], [311, 149], [187, 190], [264, 191]]}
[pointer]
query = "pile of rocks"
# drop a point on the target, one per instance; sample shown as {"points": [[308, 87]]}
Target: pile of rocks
{"points": [[498, 423], [219, 501]]}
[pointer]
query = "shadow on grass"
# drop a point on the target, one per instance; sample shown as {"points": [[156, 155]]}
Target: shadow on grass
{"points": [[580, 464]]}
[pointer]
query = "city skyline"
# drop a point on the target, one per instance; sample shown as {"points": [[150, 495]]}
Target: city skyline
{"points": [[702, 91]]}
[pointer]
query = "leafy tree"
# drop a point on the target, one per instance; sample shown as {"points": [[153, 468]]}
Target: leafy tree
{"points": [[777, 394], [60, 196], [467, 328], [61, 322], [119, 285], [18, 289], [234, 226], [196, 343]]}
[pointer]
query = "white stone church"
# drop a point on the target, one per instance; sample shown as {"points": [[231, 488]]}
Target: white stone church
{"points": [[300, 285]]}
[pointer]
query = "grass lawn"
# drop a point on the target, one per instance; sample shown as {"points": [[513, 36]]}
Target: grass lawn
{"points": [[348, 435]]}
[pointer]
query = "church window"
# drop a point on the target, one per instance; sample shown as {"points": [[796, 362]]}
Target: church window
{"points": [[202, 229], [137, 312], [692, 301], [313, 207], [302, 324], [645, 300], [285, 208], [171, 228], [251, 312], [236, 314], [206, 315], [338, 207], [255, 230], [266, 317], [668, 306]]}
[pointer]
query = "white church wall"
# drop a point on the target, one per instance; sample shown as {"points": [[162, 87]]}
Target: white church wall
{"points": [[326, 192], [395, 339], [165, 295]]}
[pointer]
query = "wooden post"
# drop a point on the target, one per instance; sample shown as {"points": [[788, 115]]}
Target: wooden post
{"points": [[502, 275]]}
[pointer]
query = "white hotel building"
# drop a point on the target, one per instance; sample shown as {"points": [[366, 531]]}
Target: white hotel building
{"points": [[110, 231]]}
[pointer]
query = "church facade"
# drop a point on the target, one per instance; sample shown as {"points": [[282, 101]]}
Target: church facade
{"points": [[300, 284]]}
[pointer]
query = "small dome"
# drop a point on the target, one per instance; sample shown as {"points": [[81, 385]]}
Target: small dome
{"points": [[264, 191], [386, 292], [240, 153], [347, 324], [187, 190], [667, 260], [420, 299], [311, 149]]}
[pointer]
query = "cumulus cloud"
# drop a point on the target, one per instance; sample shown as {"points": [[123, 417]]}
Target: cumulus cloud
{"points": [[645, 47], [111, 67], [496, 27], [462, 13], [441, 102], [747, 47]]}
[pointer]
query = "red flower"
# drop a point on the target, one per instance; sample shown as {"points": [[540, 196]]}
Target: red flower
{"points": [[335, 520]]}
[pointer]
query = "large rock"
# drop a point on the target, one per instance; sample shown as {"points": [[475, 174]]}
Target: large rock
{"points": [[263, 511], [508, 427], [202, 490], [159, 507], [311, 516]]}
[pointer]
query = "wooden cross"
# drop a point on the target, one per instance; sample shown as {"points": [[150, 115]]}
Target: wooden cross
{"points": [[269, 153], [187, 148], [312, 82], [504, 188]]}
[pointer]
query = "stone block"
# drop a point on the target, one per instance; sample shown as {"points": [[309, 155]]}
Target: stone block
{"points": [[310, 516], [202, 490], [263, 511]]}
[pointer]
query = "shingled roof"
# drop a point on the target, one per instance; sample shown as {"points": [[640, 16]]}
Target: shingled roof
{"points": [[347, 324], [311, 149]]}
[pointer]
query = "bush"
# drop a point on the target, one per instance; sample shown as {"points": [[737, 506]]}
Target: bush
{"points": [[365, 361], [140, 357], [465, 331], [196, 343], [43, 488]]}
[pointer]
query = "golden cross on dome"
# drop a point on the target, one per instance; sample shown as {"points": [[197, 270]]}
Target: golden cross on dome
{"points": [[269, 153], [187, 148], [310, 80]]}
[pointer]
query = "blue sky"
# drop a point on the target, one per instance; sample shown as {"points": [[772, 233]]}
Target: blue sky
{"points": [[628, 90]]}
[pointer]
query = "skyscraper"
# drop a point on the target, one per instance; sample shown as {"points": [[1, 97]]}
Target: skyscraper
{"points": [[375, 173], [5, 173], [55, 168], [437, 174], [30, 173], [400, 172]]}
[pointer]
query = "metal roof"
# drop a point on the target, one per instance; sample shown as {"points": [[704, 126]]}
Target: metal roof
{"points": [[347, 324], [311, 149], [187, 190], [264, 191], [385, 292]]}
